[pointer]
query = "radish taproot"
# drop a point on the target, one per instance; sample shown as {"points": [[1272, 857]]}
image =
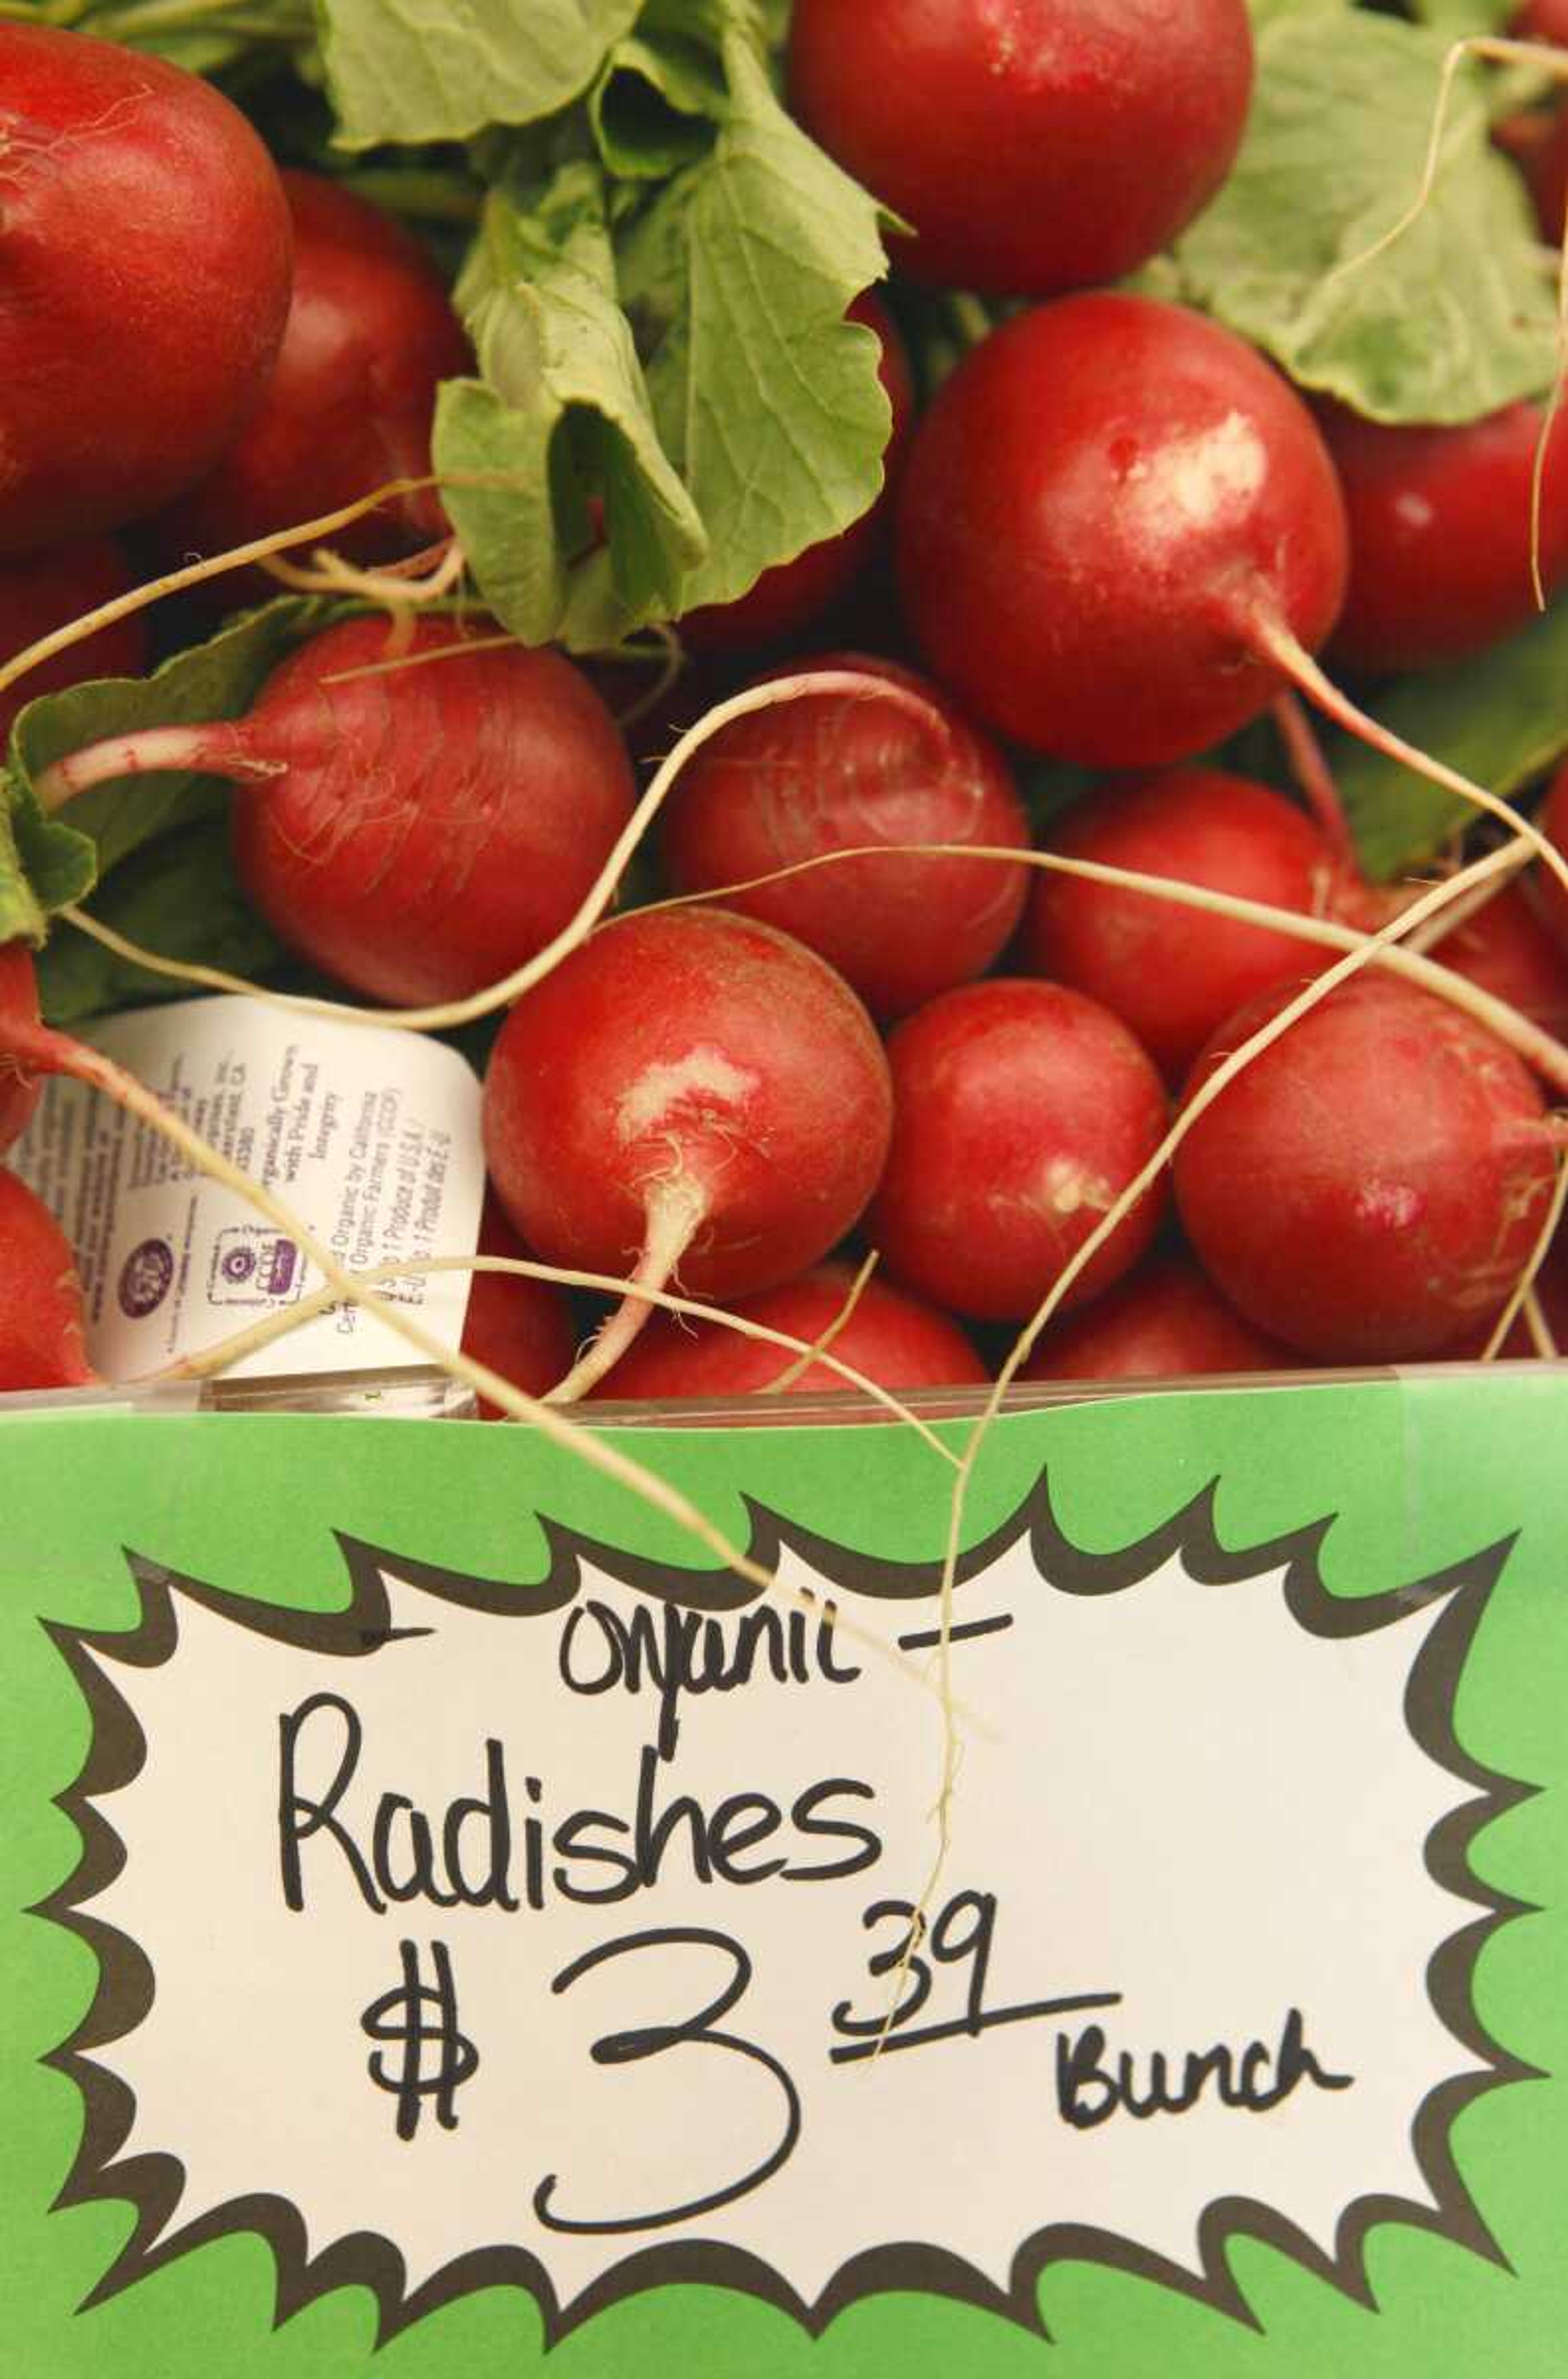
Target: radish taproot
{"points": [[370, 336], [693, 1090], [415, 822], [1374, 1183], [1172, 974], [1109, 510], [144, 282], [780, 785], [1163, 1322], [42, 591], [1441, 533], [893, 1337], [42, 1341], [1021, 1111], [1031, 148]]}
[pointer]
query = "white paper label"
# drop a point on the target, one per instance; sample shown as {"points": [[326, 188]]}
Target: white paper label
{"points": [[370, 1135], [526, 1943]]}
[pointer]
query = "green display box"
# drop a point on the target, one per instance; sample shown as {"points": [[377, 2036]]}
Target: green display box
{"points": [[450, 1920]]}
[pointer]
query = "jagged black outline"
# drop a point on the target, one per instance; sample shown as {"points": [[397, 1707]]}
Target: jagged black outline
{"points": [[153, 2182]]}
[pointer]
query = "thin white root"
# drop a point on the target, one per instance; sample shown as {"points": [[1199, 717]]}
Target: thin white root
{"points": [[1548, 1057], [675, 1214], [818, 1351], [212, 1360]]}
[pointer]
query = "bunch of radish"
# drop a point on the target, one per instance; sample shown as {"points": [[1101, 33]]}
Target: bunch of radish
{"points": [[858, 1002]]}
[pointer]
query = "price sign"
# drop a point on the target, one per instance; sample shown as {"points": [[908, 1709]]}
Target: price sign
{"points": [[577, 1927]]}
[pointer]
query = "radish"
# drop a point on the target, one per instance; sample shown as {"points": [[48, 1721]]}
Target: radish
{"points": [[792, 594], [415, 824], [40, 591], [694, 1085], [1439, 532], [19, 1015], [1112, 512], [891, 1336], [784, 785], [144, 281], [1163, 1322], [370, 336], [519, 1327], [1032, 147], [1021, 1111], [1504, 949], [1374, 1183], [1172, 974], [42, 1344]]}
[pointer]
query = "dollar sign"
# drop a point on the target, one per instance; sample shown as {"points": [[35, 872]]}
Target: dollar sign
{"points": [[400, 2015]]}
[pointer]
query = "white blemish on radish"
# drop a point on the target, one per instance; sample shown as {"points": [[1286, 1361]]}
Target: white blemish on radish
{"points": [[704, 1080], [1204, 477], [1067, 1190], [1392, 1203]]}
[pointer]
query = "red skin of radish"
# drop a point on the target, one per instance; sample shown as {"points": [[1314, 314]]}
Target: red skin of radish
{"points": [[1439, 532], [1373, 1184], [18, 1005], [786, 784], [434, 826], [894, 1338], [1163, 1322], [1551, 900], [1505, 950], [40, 1315], [521, 1328], [1100, 505], [1173, 975], [370, 333], [693, 1046], [1034, 147], [1021, 1111], [792, 594], [40, 592], [144, 280]]}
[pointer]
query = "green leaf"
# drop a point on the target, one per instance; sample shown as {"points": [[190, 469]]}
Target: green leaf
{"points": [[413, 70], [46, 862], [1272, 12], [1457, 17], [656, 103], [179, 897], [1452, 320], [1501, 718], [563, 411], [738, 276]]}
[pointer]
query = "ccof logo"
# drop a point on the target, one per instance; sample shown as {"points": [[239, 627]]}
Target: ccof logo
{"points": [[145, 1278]]}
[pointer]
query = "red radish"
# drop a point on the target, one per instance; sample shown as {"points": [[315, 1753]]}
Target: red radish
{"points": [[42, 591], [694, 1085], [1550, 899], [370, 333], [416, 831], [1504, 947], [792, 594], [1546, 170], [1439, 532], [891, 1337], [1173, 975], [1542, 20], [1032, 147], [1373, 1184], [519, 1327], [778, 786], [1163, 1322], [1021, 1112], [144, 279], [42, 1344], [1110, 509], [19, 1007]]}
